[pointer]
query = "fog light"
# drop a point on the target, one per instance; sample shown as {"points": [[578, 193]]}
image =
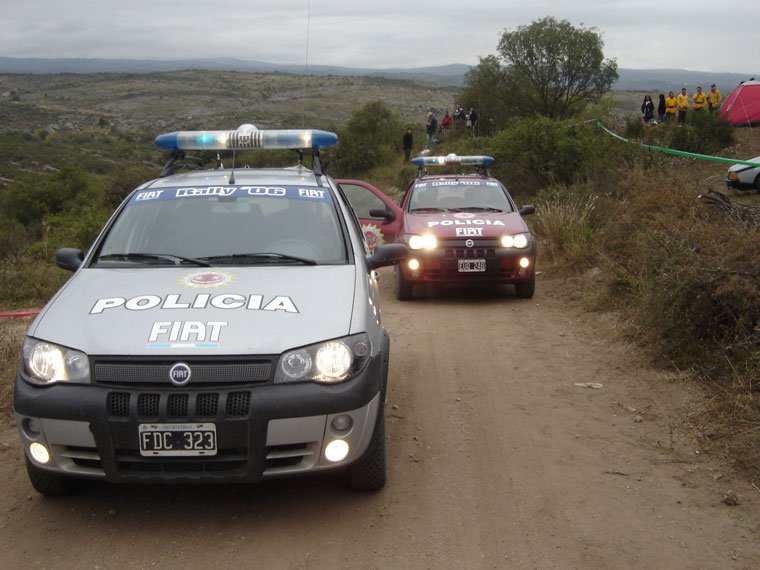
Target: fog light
{"points": [[342, 422], [524, 262], [39, 453], [336, 450], [413, 264]]}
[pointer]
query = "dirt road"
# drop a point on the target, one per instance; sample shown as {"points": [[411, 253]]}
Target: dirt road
{"points": [[497, 459]]}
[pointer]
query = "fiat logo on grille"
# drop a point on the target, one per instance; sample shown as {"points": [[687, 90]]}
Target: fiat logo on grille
{"points": [[469, 243], [180, 374]]}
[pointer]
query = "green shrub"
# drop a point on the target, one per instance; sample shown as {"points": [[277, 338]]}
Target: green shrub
{"points": [[538, 152], [371, 137]]}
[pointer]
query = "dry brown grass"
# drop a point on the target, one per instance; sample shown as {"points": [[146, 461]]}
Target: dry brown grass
{"points": [[11, 335], [684, 277]]}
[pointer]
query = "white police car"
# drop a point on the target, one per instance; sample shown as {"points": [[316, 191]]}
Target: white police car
{"points": [[224, 327]]}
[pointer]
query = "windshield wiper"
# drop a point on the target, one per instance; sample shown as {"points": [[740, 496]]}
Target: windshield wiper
{"points": [[428, 210], [260, 257], [479, 209], [170, 257]]}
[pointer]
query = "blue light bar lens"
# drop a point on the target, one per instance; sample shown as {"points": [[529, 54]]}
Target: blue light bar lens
{"points": [[245, 138], [452, 159]]}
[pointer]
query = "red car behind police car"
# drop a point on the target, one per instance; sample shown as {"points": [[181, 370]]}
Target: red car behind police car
{"points": [[463, 229]]}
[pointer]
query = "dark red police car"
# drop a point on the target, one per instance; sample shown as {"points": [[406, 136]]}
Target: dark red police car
{"points": [[463, 229]]}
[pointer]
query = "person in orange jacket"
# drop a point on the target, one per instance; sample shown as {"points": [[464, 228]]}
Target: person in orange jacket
{"points": [[682, 102], [713, 99], [700, 99], [670, 107]]}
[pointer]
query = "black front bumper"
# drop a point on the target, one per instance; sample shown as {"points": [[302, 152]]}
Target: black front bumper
{"points": [[441, 267], [241, 414]]}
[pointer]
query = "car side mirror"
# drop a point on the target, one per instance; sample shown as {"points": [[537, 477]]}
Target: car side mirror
{"points": [[69, 258], [387, 254], [386, 214], [527, 209]]}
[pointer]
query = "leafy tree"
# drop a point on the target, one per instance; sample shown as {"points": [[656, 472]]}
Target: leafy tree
{"points": [[371, 137], [487, 90], [552, 152], [555, 68]]}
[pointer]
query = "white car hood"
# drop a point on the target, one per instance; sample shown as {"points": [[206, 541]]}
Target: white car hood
{"points": [[199, 311]]}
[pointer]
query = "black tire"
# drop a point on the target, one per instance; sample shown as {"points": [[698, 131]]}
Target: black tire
{"points": [[525, 289], [48, 483], [369, 473], [404, 287], [757, 184]]}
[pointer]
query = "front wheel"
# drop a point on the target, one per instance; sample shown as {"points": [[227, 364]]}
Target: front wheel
{"points": [[404, 287], [369, 473], [525, 289], [48, 483]]}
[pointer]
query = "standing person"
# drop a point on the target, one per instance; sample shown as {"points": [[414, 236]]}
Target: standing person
{"points": [[683, 105], [713, 99], [661, 109], [647, 109], [445, 121], [408, 142], [700, 99], [671, 103], [459, 114], [472, 120], [431, 126]]}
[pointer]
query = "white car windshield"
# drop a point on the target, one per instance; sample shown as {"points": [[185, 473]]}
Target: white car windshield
{"points": [[226, 225]]}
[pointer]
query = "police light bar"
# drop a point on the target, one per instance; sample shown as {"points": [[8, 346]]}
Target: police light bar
{"points": [[452, 159], [247, 137]]}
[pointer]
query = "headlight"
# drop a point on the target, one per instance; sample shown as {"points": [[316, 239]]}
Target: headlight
{"points": [[330, 362], [426, 241], [519, 241], [47, 363]]}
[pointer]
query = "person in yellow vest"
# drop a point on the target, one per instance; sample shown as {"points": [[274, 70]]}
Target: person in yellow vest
{"points": [[713, 99], [682, 102], [700, 100], [670, 107]]}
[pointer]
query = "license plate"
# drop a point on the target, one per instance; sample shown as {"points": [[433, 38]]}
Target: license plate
{"points": [[471, 265], [161, 440]]}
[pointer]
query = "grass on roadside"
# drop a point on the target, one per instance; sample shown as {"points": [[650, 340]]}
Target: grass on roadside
{"points": [[11, 336]]}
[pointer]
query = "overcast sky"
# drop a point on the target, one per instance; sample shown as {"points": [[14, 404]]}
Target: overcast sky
{"points": [[700, 35]]}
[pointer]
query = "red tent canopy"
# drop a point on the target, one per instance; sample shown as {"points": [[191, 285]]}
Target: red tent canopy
{"points": [[742, 106]]}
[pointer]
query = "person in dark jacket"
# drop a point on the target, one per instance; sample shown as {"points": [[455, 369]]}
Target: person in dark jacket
{"points": [[661, 109], [472, 121], [408, 142], [647, 109]]}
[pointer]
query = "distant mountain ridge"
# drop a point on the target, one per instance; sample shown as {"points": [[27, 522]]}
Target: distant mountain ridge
{"points": [[452, 74]]}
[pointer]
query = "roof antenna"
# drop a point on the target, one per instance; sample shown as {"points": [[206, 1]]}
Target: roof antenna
{"points": [[306, 70], [232, 170]]}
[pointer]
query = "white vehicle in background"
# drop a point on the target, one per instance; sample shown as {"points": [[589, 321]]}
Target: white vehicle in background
{"points": [[744, 176]]}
